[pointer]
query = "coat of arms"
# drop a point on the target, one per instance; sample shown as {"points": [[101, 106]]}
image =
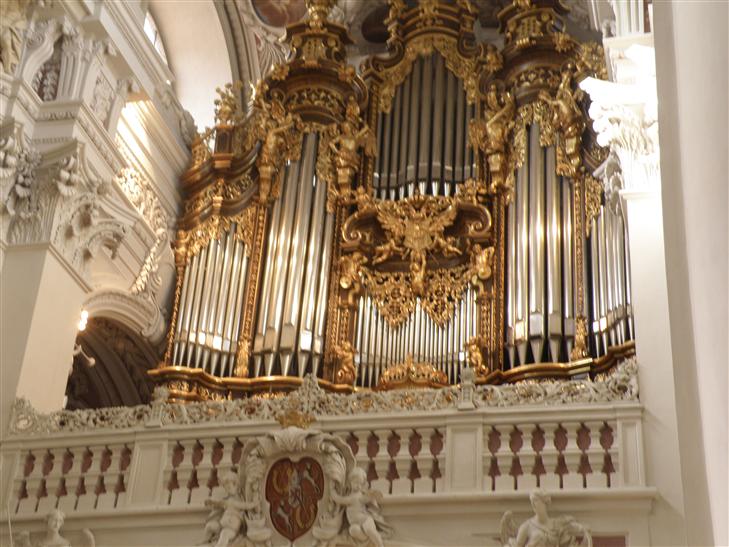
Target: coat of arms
{"points": [[293, 490]]}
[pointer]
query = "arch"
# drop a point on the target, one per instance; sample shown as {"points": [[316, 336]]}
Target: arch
{"points": [[197, 53], [111, 367]]}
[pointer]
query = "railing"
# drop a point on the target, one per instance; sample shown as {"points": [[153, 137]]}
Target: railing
{"points": [[563, 436], [495, 444]]}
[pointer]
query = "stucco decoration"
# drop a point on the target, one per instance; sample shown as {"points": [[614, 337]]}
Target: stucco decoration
{"points": [[619, 385], [299, 485], [53, 537], [542, 530]]}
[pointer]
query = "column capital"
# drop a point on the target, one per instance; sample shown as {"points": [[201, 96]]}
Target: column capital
{"points": [[624, 115]]}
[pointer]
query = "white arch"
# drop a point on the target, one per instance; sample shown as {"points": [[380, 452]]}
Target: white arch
{"points": [[197, 53]]}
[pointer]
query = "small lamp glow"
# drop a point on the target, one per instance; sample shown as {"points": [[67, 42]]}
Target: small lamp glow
{"points": [[84, 319]]}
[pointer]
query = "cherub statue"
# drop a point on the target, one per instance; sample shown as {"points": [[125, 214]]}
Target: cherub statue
{"points": [[362, 510], [346, 143], [225, 521], [492, 134], [476, 360], [272, 129], [567, 114], [345, 355], [542, 530], [350, 276], [53, 537], [482, 262]]}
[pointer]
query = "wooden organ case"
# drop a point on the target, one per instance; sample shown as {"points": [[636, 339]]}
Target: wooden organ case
{"points": [[387, 229]]}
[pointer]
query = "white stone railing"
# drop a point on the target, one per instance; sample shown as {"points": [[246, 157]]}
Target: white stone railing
{"points": [[173, 455], [577, 437]]}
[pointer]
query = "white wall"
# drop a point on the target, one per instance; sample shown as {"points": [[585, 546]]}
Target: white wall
{"points": [[692, 62]]}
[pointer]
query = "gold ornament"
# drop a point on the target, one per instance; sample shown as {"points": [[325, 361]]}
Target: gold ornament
{"points": [[409, 375]]}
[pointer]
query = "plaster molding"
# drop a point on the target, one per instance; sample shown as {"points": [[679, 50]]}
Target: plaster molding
{"points": [[619, 386], [138, 312]]}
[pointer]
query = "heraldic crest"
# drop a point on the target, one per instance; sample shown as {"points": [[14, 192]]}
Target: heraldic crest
{"points": [[296, 486]]}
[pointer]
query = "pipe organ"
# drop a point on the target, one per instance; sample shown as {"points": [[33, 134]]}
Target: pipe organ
{"points": [[389, 227]]}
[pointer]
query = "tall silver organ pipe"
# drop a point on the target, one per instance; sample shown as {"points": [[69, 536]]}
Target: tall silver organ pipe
{"points": [[423, 139], [290, 325], [540, 276], [380, 345], [211, 299], [611, 314]]}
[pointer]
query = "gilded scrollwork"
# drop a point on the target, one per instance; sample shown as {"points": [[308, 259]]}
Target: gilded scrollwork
{"points": [[350, 275], [280, 134], [228, 110], [395, 299]]}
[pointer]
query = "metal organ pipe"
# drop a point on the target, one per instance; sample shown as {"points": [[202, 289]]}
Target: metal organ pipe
{"points": [[536, 244], [296, 264], [210, 302], [567, 266], [522, 263], [554, 266]]}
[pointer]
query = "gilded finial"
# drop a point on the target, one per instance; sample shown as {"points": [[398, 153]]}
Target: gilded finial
{"points": [[318, 11]]}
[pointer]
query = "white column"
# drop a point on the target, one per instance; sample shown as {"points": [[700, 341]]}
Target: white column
{"points": [[40, 303], [692, 63], [625, 118]]}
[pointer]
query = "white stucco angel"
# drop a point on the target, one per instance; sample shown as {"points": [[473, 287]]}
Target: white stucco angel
{"points": [[542, 530], [53, 537], [365, 520], [225, 521]]}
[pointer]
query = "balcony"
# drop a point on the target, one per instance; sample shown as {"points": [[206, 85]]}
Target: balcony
{"points": [[449, 462]]}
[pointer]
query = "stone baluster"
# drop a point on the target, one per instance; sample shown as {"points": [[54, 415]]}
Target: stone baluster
{"points": [[593, 453], [530, 459], [377, 449], [572, 454]]}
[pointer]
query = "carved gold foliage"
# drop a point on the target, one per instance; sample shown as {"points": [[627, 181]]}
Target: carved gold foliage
{"points": [[593, 195], [445, 287], [476, 358], [214, 227], [346, 372], [395, 298], [579, 350], [591, 60], [228, 110], [392, 294]]}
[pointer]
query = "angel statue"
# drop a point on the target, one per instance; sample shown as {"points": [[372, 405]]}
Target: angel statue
{"points": [[567, 113], [345, 145], [492, 134], [542, 530], [53, 537], [225, 521], [363, 510], [273, 128]]}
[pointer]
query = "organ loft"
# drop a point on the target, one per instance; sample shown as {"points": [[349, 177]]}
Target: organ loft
{"points": [[363, 273], [388, 226]]}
